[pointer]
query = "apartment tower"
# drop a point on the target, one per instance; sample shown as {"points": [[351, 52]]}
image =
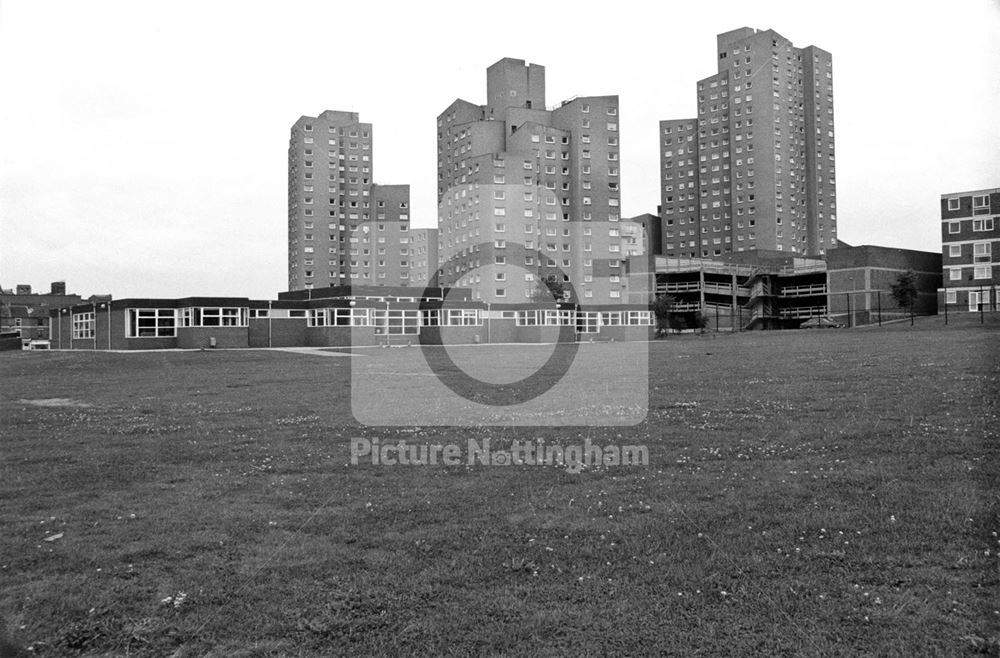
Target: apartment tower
{"points": [[342, 228], [424, 250], [755, 169], [525, 193], [970, 238]]}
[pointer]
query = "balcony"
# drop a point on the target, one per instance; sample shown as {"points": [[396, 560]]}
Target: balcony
{"points": [[719, 288], [804, 312], [681, 286], [804, 291]]}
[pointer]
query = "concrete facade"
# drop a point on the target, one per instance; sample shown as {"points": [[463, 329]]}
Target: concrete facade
{"points": [[342, 227], [525, 193], [755, 168], [425, 256], [776, 290]]}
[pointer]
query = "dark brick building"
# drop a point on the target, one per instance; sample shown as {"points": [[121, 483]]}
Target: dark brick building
{"points": [[970, 237]]}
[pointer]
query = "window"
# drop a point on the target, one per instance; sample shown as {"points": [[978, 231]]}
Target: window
{"points": [[954, 227], [955, 274], [559, 318], [611, 318], [954, 250], [639, 318], [350, 317], [587, 322], [982, 272], [461, 317], [396, 321], [317, 317], [526, 318], [215, 317], [83, 325], [980, 201], [950, 296], [151, 323], [982, 224], [953, 204]]}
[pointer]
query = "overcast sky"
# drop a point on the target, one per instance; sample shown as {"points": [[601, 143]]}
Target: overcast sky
{"points": [[143, 146]]}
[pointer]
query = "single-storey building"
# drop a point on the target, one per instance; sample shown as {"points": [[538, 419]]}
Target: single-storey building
{"points": [[338, 316]]}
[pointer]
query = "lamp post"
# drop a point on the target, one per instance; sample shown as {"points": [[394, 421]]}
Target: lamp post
{"points": [[850, 315], [387, 322], [109, 323]]}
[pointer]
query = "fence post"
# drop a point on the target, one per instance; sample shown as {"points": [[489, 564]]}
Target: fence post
{"points": [[946, 308]]}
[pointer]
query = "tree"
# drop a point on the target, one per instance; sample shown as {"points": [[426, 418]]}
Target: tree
{"points": [[904, 291], [551, 287], [662, 308]]}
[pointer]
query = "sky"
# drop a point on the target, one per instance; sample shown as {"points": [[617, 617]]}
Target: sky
{"points": [[143, 145]]}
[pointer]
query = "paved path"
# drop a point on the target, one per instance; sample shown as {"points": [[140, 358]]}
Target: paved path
{"points": [[313, 351]]}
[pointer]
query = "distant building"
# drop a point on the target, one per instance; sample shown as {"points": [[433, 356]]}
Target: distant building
{"points": [[776, 290], [861, 277], [651, 225], [633, 239], [342, 227], [970, 237], [755, 169], [424, 250], [526, 193], [27, 313]]}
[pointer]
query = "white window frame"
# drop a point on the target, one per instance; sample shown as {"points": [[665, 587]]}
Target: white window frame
{"points": [[151, 323], [588, 322], [84, 325], [639, 319], [226, 316], [461, 317], [526, 318]]}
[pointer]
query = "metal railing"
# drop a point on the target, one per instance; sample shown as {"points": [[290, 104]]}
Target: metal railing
{"points": [[803, 312], [804, 291]]}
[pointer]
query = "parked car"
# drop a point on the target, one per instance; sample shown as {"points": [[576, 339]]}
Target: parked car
{"points": [[820, 323]]}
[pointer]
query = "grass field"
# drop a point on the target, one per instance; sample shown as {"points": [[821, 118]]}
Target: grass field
{"points": [[808, 493]]}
